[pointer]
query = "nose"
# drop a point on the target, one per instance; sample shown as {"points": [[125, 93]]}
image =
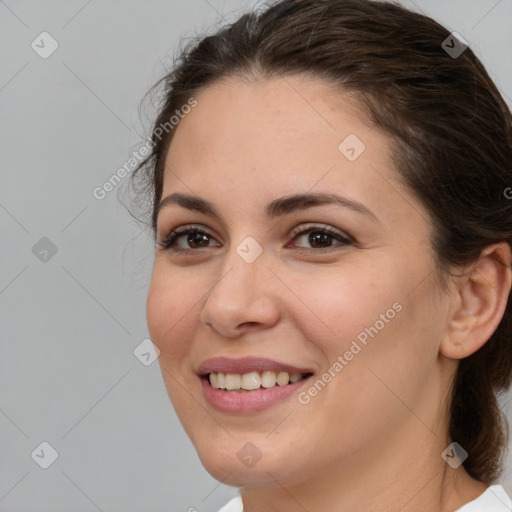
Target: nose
{"points": [[242, 298]]}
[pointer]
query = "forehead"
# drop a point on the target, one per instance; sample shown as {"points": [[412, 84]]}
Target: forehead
{"points": [[283, 112], [281, 124], [255, 140]]}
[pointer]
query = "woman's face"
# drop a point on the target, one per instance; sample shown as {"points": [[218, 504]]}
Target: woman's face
{"points": [[264, 169]]}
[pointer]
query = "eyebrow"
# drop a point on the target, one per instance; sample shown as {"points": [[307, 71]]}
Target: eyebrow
{"points": [[276, 208]]}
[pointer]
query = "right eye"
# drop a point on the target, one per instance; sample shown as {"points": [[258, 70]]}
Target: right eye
{"points": [[187, 238]]}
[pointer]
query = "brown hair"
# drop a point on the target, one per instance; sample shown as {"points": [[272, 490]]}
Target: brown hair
{"points": [[451, 135]]}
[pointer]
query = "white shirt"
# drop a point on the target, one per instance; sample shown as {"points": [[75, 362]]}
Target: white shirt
{"points": [[494, 499]]}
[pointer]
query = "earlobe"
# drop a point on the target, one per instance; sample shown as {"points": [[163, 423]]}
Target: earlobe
{"points": [[482, 295]]}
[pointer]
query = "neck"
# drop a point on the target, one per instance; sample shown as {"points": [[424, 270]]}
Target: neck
{"points": [[416, 479]]}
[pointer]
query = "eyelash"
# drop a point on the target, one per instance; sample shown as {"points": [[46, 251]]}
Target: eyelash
{"points": [[168, 243]]}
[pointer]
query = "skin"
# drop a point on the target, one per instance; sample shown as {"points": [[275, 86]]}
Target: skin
{"points": [[372, 438]]}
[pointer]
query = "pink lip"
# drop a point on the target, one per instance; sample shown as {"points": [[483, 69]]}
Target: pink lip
{"points": [[251, 401], [246, 365]]}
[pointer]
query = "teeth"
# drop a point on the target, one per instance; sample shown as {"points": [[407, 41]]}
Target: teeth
{"points": [[233, 380], [252, 380], [268, 379], [283, 378]]}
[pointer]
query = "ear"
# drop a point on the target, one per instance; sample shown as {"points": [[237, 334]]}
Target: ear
{"points": [[480, 298]]}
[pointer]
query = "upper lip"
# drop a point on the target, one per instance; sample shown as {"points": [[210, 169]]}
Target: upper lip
{"points": [[246, 365]]}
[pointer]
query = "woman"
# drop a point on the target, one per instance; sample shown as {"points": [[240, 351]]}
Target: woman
{"points": [[333, 265]]}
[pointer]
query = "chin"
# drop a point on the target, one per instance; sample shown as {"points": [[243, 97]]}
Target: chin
{"points": [[235, 474], [238, 464]]}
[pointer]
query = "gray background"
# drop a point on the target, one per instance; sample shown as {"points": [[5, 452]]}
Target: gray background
{"points": [[70, 323]]}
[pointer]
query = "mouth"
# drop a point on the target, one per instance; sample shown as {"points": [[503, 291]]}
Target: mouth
{"points": [[251, 381], [249, 385]]}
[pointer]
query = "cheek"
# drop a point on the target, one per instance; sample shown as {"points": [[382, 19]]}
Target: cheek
{"points": [[159, 301], [371, 319], [399, 352], [169, 307], [341, 305], [170, 323]]}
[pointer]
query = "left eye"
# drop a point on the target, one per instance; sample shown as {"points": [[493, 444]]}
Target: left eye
{"points": [[322, 237]]}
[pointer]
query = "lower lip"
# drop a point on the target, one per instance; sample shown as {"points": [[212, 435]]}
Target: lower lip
{"points": [[250, 401]]}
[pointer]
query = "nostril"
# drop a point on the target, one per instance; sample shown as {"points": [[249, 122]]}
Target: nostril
{"points": [[247, 324]]}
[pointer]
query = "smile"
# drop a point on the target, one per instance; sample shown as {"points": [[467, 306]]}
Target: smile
{"points": [[250, 384], [252, 380]]}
